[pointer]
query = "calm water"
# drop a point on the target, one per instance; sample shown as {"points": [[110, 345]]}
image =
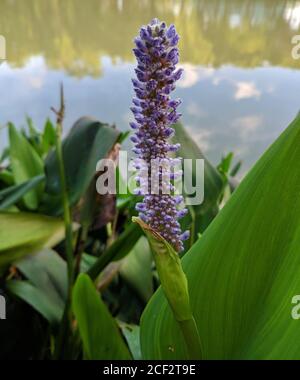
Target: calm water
{"points": [[241, 86]]}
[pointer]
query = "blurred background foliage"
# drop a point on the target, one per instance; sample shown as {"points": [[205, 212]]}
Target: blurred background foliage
{"points": [[106, 244]]}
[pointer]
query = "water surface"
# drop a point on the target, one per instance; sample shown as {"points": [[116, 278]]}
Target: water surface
{"points": [[241, 85]]}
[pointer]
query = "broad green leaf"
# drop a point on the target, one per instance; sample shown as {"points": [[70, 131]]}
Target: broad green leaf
{"points": [[46, 288], [244, 270], [98, 330], [11, 195], [136, 269], [88, 142], [25, 233], [26, 164]]}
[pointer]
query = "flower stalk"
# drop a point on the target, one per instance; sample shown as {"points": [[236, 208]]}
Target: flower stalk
{"points": [[154, 112], [62, 340], [65, 197]]}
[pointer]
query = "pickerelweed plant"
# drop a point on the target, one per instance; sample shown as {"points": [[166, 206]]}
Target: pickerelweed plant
{"points": [[154, 111], [157, 55]]}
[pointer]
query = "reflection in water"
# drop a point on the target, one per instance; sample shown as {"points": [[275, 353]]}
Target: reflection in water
{"points": [[72, 35], [240, 87]]}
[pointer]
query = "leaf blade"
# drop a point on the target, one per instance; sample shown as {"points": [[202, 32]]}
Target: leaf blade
{"points": [[12, 194], [88, 141], [23, 233], [99, 332], [26, 164], [244, 270]]}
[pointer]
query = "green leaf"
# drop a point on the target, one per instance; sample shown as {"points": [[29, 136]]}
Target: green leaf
{"points": [[26, 164], [225, 164], [119, 249], [86, 262], [98, 330], [136, 269], [37, 299], [123, 136], [230, 183], [5, 154], [132, 335], [46, 290], [24, 233], [88, 142], [47, 271], [7, 177], [49, 136], [13, 194], [234, 171], [244, 270], [34, 137]]}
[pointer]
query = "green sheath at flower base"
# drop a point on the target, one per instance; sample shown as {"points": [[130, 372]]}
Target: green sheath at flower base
{"points": [[175, 286], [172, 277]]}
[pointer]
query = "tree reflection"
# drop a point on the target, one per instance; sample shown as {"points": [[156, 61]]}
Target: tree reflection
{"points": [[73, 35]]}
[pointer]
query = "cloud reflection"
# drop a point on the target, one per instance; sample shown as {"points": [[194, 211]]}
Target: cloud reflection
{"points": [[247, 126], [245, 90]]}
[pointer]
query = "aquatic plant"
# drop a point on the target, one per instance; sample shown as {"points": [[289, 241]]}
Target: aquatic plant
{"points": [[62, 246]]}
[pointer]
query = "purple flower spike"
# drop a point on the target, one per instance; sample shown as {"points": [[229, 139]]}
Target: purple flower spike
{"points": [[154, 112]]}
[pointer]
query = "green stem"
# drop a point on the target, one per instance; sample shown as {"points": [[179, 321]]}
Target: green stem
{"points": [[67, 212], [65, 327], [191, 337], [80, 245]]}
